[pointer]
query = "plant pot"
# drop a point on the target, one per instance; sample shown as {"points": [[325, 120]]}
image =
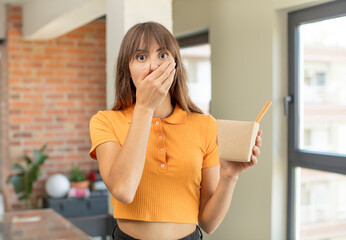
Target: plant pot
{"points": [[82, 184]]}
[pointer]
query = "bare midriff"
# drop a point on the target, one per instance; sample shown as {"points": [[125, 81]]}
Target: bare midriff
{"points": [[155, 230]]}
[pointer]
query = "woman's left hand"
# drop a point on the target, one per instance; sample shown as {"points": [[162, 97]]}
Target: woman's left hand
{"points": [[229, 169]]}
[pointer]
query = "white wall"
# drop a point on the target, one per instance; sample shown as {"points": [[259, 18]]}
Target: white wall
{"points": [[190, 16], [249, 67]]}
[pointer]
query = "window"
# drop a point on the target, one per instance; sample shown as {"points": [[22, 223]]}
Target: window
{"points": [[317, 123], [195, 53]]}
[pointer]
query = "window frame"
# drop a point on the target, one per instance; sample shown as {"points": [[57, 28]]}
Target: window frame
{"points": [[335, 163]]}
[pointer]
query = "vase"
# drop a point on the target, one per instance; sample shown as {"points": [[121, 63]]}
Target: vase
{"points": [[82, 184]]}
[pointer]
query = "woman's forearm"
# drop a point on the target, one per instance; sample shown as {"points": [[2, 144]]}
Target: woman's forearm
{"points": [[217, 206], [126, 171]]}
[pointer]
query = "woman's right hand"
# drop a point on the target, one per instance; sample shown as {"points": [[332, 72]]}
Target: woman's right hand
{"points": [[153, 87]]}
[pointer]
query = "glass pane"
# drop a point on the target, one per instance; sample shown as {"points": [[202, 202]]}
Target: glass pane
{"points": [[321, 205], [322, 86], [196, 60]]}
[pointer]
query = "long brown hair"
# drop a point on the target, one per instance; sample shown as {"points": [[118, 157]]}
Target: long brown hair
{"points": [[125, 89]]}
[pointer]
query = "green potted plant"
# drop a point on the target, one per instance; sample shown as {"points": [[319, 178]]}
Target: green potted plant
{"points": [[78, 179], [26, 174]]}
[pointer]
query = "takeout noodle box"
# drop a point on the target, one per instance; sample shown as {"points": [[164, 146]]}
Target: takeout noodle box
{"points": [[236, 139]]}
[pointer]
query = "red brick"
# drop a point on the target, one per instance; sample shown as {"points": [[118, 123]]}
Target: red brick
{"points": [[13, 80], [43, 57], [75, 81], [62, 73], [22, 135], [15, 143], [86, 59], [83, 134], [76, 112], [13, 65], [55, 142], [38, 96], [53, 81], [74, 35], [75, 156], [31, 112], [67, 119], [21, 119], [87, 44], [65, 89], [52, 50], [46, 73], [43, 119], [54, 65], [94, 52], [75, 51], [13, 32], [20, 104], [66, 104], [29, 80], [13, 112], [37, 143], [75, 141], [76, 65], [33, 127], [85, 89], [32, 65], [19, 89], [76, 96], [65, 58], [64, 42], [20, 73], [15, 96], [13, 49], [55, 112]]}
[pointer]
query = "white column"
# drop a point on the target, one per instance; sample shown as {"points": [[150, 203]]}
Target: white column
{"points": [[121, 16]]}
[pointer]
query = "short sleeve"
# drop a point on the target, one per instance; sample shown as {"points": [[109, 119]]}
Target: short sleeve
{"points": [[100, 132], [211, 157]]}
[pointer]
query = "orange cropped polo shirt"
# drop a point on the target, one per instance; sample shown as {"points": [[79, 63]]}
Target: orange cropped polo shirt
{"points": [[179, 146]]}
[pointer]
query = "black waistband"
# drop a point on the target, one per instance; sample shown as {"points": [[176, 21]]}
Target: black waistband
{"points": [[117, 234]]}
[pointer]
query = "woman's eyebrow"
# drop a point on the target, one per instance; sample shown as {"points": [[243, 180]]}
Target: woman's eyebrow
{"points": [[146, 51], [161, 49], [142, 50]]}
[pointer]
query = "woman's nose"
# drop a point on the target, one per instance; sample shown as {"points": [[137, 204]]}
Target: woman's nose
{"points": [[154, 64]]}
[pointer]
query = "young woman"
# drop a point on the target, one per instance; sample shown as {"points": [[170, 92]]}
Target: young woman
{"points": [[156, 151]]}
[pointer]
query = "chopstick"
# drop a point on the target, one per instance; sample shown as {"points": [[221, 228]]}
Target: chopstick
{"points": [[263, 111]]}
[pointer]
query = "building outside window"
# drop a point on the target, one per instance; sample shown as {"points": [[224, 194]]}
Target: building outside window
{"points": [[317, 123]]}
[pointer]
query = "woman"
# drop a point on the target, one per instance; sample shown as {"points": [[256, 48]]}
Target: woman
{"points": [[156, 151]]}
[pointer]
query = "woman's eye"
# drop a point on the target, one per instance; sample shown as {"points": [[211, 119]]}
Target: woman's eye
{"points": [[163, 55], [141, 57]]}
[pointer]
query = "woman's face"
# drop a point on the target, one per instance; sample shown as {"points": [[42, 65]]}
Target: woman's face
{"points": [[146, 61]]}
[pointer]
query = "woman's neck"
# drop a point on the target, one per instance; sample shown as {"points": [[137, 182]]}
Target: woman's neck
{"points": [[165, 108]]}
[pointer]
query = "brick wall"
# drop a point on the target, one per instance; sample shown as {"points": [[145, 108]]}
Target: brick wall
{"points": [[54, 87]]}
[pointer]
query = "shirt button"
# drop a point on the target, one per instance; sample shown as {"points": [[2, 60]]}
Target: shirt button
{"points": [[157, 122], [162, 149], [160, 137], [162, 165]]}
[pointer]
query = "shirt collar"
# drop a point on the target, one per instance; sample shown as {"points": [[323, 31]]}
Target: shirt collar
{"points": [[177, 117]]}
